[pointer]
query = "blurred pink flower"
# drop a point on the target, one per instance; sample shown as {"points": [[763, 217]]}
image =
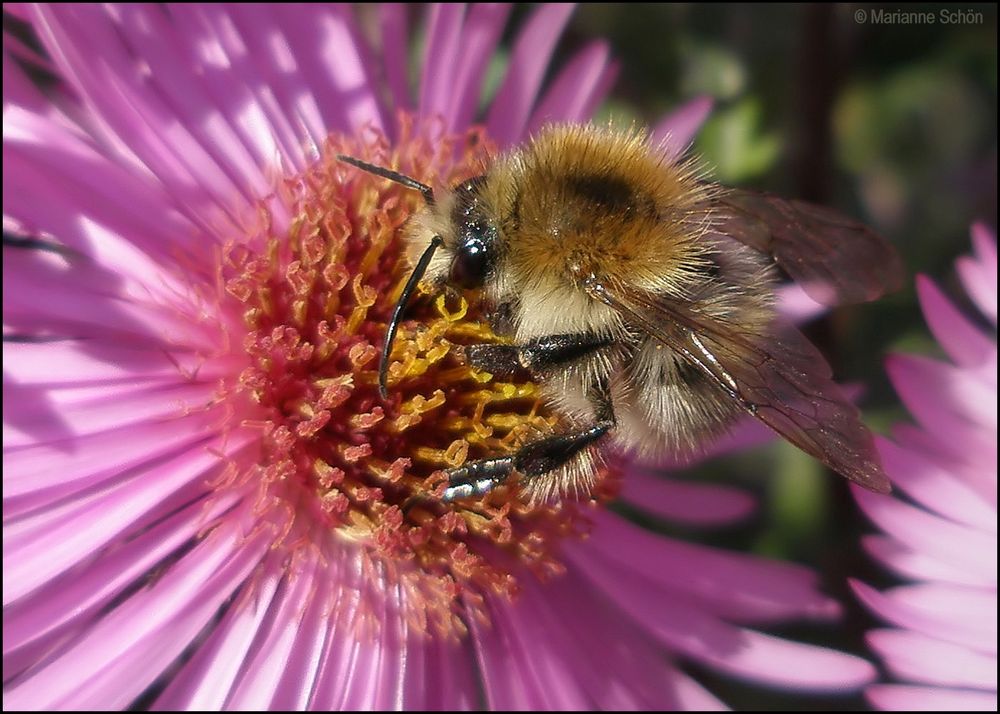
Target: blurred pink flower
{"points": [[943, 534], [142, 560]]}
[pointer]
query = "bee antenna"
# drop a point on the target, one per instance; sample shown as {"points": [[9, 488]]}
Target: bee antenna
{"points": [[397, 312], [427, 191]]}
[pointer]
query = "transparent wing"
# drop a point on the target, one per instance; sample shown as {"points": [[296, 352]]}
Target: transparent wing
{"points": [[834, 258], [781, 379]]}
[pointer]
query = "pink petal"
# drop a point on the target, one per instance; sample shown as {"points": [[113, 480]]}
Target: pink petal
{"points": [[745, 434], [483, 26], [334, 62], [265, 55], [441, 61], [18, 89], [52, 163], [280, 668], [39, 476], [984, 242], [89, 363], [148, 32], [439, 675], [935, 488], [205, 681], [975, 470], [43, 546], [536, 656], [48, 295], [895, 697], [20, 10], [677, 130], [394, 51], [693, 503], [219, 55], [576, 90], [59, 416], [35, 625], [520, 678], [686, 628], [964, 616], [963, 548], [975, 279], [529, 60], [940, 398], [915, 657], [965, 343], [133, 119], [917, 565], [110, 665], [731, 584]]}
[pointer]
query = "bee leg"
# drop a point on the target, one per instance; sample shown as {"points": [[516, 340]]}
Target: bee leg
{"points": [[538, 355], [539, 457], [534, 459], [476, 478]]}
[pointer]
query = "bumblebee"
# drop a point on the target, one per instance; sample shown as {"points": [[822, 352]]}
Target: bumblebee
{"points": [[641, 298]]}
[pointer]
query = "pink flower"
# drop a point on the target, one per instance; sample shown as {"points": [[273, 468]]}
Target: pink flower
{"points": [[943, 534], [193, 290]]}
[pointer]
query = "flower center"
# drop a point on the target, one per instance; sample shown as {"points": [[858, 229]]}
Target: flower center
{"points": [[338, 463]]}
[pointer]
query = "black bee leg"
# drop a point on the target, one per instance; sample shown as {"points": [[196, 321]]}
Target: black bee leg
{"points": [[477, 477], [538, 355], [539, 457], [534, 459]]}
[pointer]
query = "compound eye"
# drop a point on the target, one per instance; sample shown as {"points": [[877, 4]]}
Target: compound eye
{"points": [[471, 263]]}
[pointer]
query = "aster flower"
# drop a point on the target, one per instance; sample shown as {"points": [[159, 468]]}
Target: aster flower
{"points": [[205, 503], [941, 532]]}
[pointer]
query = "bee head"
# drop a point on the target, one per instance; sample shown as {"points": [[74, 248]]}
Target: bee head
{"points": [[458, 226]]}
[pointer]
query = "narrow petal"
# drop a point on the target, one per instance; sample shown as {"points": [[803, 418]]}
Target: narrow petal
{"points": [[576, 90], [38, 415], [439, 675], [960, 546], [219, 56], [895, 697], [910, 563], [51, 163], [149, 31], [130, 646], [924, 387], [135, 121], [677, 130], [334, 61], [205, 681], [441, 62], [919, 658], [984, 242], [976, 279], [279, 669], [41, 475], [33, 626], [965, 343], [395, 52], [795, 305], [530, 58], [964, 616], [687, 629], [731, 584], [693, 503], [481, 33], [935, 488], [43, 546], [536, 656]]}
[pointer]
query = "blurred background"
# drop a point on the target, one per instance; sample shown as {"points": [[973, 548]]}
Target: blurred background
{"points": [[895, 124]]}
